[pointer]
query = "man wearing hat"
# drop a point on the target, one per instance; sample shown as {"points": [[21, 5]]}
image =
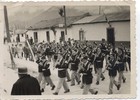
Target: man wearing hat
{"points": [[26, 84]]}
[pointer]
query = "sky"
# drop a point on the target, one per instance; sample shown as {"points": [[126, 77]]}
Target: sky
{"points": [[13, 8], [24, 12]]}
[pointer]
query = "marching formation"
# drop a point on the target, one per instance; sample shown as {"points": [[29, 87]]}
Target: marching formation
{"points": [[84, 59]]}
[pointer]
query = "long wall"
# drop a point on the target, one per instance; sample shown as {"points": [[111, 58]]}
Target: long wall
{"points": [[95, 31], [98, 31], [43, 37]]}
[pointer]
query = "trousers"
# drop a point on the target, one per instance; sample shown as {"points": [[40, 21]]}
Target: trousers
{"points": [[62, 82], [99, 74], [40, 76], [112, 82], [121, 76], [74, 76], [67, 75], [87, 88], [47, 80]]}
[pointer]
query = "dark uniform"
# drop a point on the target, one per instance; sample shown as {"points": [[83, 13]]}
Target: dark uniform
{"points": [[74, 67], [47, 74], [120, 67], [26, 85], [62, 66], [40, 67], [87, 78], [112, 71], [99, 65]]}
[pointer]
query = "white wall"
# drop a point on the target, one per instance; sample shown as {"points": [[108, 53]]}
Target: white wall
{"points": [[98, 31], [22, 39], [58, 33], [30, 34], [41, 35], [13, 38], [92, 32]]}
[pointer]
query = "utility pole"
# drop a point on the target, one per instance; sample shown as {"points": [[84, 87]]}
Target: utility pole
{"points": [[6, 24], [62, 12], [65, 20], [8, 36]]}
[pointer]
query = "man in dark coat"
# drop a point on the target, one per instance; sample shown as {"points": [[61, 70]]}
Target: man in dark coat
{"points": [[26, 84]]}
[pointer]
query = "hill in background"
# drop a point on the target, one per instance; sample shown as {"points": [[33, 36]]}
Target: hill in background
{"points": [[22, 17]]}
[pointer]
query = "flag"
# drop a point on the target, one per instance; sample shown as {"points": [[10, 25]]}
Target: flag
{"points": [[107, 19]]}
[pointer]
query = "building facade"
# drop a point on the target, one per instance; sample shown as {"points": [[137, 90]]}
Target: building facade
{"points": [[83, 28], [98, 31]]}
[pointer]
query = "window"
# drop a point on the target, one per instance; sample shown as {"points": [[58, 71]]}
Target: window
{"points": [[22, 35]]}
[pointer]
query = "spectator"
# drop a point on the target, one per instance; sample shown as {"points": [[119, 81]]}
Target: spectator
{"points": [[26, 84]]}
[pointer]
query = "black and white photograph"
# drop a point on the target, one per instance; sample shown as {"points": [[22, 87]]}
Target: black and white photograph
{"points": [[67, 49]]}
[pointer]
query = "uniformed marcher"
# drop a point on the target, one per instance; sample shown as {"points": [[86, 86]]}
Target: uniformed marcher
{"points": [[87, 77], [46, 74], [120, 65], [61, 64], [40, 67], [112, 71], [26, 84], [74, 62], [99, 65]]}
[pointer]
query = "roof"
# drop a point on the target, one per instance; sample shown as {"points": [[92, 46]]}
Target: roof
{"points": [[44, 24], [87, 19], [82, 19], [112, 17], [20, 31]]}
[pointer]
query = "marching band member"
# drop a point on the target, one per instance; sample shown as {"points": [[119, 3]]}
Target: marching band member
{"points": [[120, 65], [40, 67], [74, 67], [112, 72], [47, 74], [61, 64], [99, 65], [87, 77]]}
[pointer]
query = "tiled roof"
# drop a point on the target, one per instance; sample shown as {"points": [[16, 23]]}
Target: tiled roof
{"points": [[113, 17], [20, 31], [55, 22], [87, 19], [83, 19]]}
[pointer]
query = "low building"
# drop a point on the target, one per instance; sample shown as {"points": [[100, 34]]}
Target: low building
{"points": [[50, 30], [18, 35], [95, 27], [82, 27]]}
